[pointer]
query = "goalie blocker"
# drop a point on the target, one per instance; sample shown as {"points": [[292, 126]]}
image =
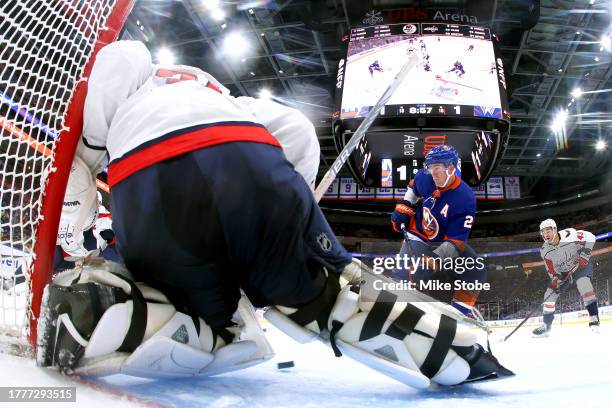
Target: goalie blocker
{"points": [[97, 321]]}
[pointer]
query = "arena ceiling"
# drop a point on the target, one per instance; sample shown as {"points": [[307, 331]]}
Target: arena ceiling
{"points": [[293, 47]]}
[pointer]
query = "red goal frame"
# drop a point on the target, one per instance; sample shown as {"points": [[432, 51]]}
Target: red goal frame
{"points": [[41, 270]]}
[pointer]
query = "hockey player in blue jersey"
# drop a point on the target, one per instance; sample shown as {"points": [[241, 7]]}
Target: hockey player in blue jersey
{"points": [[458, 69], [375, 66], [438, 212]]}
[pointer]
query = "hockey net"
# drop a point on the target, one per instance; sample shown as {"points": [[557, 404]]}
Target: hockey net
{"points": [[48, 48]]}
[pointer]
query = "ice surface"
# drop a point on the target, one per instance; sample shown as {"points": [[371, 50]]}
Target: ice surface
{"points": [[572, 367]]}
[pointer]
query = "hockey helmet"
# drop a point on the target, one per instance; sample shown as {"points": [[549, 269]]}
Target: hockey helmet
{"points": [[445, 154], [547, 223]]}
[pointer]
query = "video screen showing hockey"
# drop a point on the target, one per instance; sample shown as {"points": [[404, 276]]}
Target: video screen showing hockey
{"points": [[456, 71]]}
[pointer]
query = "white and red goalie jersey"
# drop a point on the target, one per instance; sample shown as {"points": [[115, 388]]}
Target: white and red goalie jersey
{"points": [[122, 110], [565, 256]]}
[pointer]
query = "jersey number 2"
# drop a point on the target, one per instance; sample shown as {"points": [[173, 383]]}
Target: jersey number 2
{"points": [[468, 221]]}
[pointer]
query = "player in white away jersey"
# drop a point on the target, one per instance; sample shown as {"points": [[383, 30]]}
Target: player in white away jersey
{"points": [[566, 255]]}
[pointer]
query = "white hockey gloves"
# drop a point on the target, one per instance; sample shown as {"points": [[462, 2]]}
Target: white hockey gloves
{"points": [[96, 321], [411, 342], [79, 211]]}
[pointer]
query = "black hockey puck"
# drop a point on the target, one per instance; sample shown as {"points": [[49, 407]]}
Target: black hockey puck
{"points": [[285, 364]]}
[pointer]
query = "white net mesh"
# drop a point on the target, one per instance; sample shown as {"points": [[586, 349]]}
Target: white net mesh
{"points": [[45, 45]]}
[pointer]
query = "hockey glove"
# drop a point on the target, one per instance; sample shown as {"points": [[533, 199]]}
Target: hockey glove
{"points": [[584, 254], [403, 213], [555, 283], [103, 231], [560, 282]]}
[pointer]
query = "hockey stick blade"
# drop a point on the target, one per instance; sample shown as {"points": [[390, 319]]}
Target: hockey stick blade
{"points": [[335, 168]]}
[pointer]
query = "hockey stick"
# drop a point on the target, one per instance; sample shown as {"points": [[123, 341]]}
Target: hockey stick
{"points": [[561, 290], [335, 168]]}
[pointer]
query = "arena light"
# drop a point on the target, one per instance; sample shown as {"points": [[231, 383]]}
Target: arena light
{"points": [[211, 4], [217, 14], [600, 145], [235, 44], [558, 123], [558, 128], [606, 43], [165, 56], [576, 93], [265, 93]]}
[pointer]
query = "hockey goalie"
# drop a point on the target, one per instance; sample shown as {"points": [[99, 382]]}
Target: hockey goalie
{"points": [[213, 211]]}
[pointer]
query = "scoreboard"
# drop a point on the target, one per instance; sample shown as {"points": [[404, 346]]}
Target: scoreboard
{"points": [[456, 95]]}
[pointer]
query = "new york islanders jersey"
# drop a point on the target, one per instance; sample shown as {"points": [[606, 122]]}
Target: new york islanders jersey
{"points": [[445, 214], [563, 257]]}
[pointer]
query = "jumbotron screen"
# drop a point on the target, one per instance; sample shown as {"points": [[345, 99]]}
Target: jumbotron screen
{"points": [[457, 73]]}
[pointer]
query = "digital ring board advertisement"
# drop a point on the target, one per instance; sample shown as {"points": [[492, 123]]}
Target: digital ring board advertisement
{"points": [[457, 73]]}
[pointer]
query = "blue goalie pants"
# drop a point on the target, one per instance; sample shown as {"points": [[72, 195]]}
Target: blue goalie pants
{"points": [[203, 225]]}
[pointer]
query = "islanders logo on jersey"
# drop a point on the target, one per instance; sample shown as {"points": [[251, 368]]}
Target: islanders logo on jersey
{"points": [[429, 223]]}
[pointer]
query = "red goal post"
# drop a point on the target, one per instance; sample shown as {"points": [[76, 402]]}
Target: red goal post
{"points": [[48, 50]]}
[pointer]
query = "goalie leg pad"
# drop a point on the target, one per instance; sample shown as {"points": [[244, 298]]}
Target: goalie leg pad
{"points": [[412, 344], [407, 336], [95, 328]]}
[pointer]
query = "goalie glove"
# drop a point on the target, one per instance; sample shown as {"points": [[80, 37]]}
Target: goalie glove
{"points": [[79, 211], [103, 229], [410, 342]]}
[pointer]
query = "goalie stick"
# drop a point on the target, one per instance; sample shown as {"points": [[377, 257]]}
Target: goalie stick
{"points": [[335, 168]]}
